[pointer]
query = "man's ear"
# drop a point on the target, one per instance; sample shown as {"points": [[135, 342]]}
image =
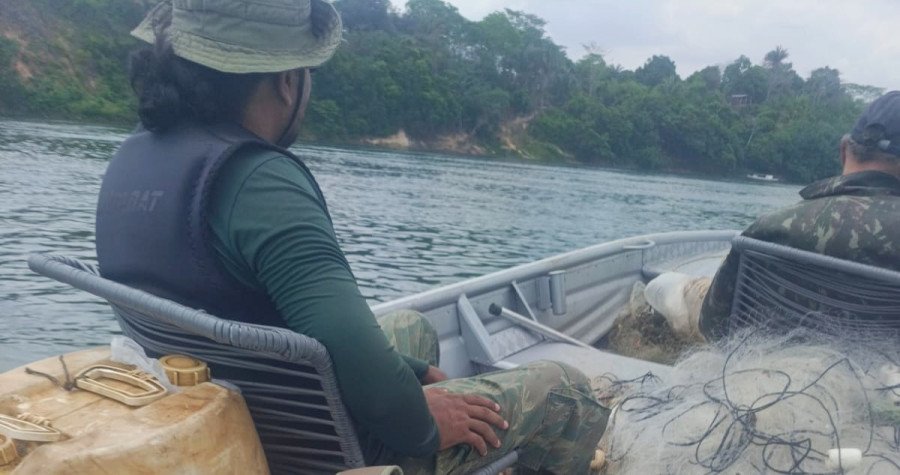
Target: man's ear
{"points": [[306, 76], [286, 87], [845, 150]]}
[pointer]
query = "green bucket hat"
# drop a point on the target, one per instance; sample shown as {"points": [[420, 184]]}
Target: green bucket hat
{"points": [[247, 36]]}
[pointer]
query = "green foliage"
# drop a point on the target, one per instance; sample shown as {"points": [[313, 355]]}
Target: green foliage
{"points": [[656, 71], [431, 72], [586, 144], [743, 78], [535, 149], [365, 14], [652, 120], [76, 54], [797, 137], [12, 93]]}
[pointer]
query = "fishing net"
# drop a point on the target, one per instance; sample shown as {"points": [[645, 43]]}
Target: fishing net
{"points": [[761, 403], [644, 333]]}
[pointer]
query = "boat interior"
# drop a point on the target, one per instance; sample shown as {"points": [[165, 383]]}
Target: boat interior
{"points": [[573, 296]]}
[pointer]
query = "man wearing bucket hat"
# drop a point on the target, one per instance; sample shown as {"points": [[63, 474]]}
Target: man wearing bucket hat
{"points": [[854, 216], [206, 206]]}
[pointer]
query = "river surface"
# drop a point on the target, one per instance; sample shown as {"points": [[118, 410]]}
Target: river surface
{"points": [[407, 222]]}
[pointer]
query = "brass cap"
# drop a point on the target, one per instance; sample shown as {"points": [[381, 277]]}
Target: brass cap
{"points": [[8, 452], [184, 371]]}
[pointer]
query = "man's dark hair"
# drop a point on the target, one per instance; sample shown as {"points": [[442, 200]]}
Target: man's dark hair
{"points": [[172, 89]]}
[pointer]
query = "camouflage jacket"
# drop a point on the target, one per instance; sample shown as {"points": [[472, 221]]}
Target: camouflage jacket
{"points": [[854, 217]]}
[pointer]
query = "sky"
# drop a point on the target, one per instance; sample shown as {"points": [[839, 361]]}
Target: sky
{"points": [[861, 38]]}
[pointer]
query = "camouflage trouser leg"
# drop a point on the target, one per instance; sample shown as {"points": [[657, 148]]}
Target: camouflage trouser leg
{"points": [[555, 421], [412, 335]]}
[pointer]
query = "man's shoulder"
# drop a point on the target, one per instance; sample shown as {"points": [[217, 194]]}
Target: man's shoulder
{"points": [[859, 228], [864, 183], [779, 220], [837, 210], [252, 156], [259, 164]]}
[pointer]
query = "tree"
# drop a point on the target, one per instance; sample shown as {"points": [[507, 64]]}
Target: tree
{"points": [[824, 84], [485, 107], [513, 47], [365, 14], [775, 59], [12, 93], [742, 77], [657, 70], [433, 20], [591, 70], [709, 77], [863, 93], [782, 77], [572, 135]]}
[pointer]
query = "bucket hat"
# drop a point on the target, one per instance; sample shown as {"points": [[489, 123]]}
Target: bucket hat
{"points": [[246, 36]]}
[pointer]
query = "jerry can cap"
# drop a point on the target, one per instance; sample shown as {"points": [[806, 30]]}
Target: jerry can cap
{"points": [[8, 452], [185, 371]]}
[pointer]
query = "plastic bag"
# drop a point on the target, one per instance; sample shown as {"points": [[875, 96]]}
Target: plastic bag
{"points": [[125, 350], [678, 298]]}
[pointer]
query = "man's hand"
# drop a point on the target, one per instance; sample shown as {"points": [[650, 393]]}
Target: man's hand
{"points": [[465, 419], [434, 375]]}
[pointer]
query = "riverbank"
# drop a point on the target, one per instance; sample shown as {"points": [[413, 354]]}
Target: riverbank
{"points": [[516, 149]]}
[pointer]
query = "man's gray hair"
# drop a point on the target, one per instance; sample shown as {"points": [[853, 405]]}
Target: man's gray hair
{"points": [[868, 153]]}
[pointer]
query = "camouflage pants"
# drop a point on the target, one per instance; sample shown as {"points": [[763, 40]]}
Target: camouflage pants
{"points": [[554, 420]]}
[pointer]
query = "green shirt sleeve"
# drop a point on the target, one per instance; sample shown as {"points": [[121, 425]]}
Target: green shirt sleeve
{"points": [[273, 233], [419, 367]]}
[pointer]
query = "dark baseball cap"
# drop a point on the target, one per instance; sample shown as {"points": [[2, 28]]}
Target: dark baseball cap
{"points": [[879, 125]]}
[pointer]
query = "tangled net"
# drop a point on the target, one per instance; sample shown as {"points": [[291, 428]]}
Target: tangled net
{"points": [[640, 332], [762, 404]]}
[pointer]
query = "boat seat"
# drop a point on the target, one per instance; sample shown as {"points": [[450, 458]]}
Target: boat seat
{"points": [[781, 288], [286, 378]]}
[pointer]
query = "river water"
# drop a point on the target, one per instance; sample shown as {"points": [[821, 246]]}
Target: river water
{"points": [[408, 222]]}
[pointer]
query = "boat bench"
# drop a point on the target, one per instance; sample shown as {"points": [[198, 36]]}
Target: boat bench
{"points": [[286, 378]]}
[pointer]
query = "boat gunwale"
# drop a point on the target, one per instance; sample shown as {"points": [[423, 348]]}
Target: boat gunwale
{"points": [[448, 294]]}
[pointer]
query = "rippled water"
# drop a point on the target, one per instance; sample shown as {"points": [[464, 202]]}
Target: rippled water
{"points": [[407, 222]]}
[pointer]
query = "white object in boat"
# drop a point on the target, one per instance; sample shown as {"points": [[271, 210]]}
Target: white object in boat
{"points": [[678, 297]]}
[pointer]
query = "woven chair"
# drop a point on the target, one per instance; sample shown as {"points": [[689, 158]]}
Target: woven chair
{"points": [[782, 288], [286, 378]]}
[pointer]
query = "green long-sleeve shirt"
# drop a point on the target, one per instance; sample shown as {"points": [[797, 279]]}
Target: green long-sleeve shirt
{"points": [[273, 234]]}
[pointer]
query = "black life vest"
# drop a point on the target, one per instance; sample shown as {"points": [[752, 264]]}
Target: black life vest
{"points": [[152, 228]]}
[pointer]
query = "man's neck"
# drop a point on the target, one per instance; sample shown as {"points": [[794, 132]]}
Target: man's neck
{"points": [[853, 166], [261, 124]]}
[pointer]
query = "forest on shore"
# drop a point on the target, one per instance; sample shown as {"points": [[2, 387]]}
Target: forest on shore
{"points": [[428, 78]]}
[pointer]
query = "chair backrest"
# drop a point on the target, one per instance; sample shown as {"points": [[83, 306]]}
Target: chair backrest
{"points": [[286, 378], [780, 287]]}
